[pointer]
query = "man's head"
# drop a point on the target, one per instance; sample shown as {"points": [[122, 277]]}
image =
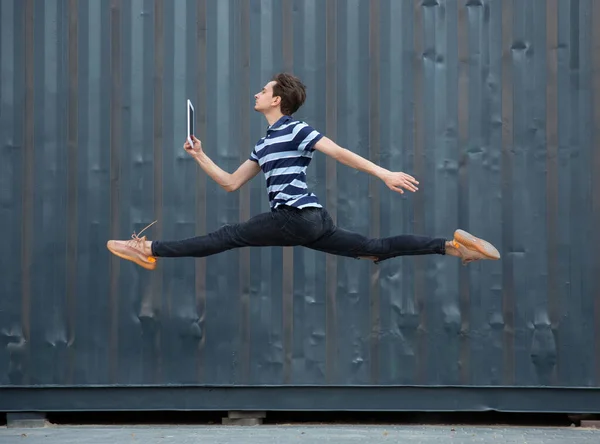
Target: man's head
{"points": [[284, 92]]}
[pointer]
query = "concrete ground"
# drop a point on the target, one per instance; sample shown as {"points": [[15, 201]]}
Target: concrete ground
{"points": [[288, 434]]}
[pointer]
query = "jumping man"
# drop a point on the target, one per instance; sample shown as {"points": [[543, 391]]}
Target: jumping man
{"points": [[296, 217]]}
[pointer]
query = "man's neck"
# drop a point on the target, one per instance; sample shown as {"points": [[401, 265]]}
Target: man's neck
{"points": [[273, 117]]}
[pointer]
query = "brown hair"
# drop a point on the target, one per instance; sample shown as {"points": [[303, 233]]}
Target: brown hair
{"points": [[291, 90]]}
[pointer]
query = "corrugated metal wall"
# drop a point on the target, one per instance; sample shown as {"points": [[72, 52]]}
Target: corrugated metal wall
{"points": [[494, 105]]}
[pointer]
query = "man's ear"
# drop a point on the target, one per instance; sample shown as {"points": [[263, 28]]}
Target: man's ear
{"points": [[276, 100]]}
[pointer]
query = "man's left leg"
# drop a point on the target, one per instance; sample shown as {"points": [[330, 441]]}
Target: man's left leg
{"points": [[262, 230]]}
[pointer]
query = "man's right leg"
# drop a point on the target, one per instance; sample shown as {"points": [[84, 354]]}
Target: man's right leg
{"points": [[341, 242], [261, 230]]}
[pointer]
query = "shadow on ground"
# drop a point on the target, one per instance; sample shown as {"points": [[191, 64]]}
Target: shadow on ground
{"points": [[277, 418]]}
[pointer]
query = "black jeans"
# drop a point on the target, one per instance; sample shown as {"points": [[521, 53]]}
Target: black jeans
{"points": [[310, 227]]}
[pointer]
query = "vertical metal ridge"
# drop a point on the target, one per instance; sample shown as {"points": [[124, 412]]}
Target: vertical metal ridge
{"points": [[201, 184], [573, 173], [72, 185], [595, 46], [159, 63], [115, 164], [11, 157], [28, 186], [419, 167], [552, 168], [463, 182], [507, 185], [375, 204], [287, 23], [287, 317], [245, 191], [331, 184]]}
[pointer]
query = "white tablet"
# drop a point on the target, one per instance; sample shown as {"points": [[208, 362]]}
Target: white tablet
{"points": [[190, 121]]}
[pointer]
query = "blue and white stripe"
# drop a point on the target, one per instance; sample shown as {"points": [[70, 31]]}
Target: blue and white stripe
{"points": [[283, 155]]}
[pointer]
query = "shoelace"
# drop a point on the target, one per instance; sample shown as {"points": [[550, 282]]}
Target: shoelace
{"points": [[136, 239]]}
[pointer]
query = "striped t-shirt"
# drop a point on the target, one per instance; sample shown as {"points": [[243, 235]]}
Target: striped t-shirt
{"points": [[283, 155]]}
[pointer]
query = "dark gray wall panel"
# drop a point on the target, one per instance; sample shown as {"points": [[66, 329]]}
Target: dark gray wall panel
{"points": [[493, 105]]}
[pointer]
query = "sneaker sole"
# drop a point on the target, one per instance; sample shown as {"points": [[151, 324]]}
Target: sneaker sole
{"points": [[476, 244], [146, 265]]}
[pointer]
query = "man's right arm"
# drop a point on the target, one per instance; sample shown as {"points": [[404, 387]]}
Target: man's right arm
{"points": [[229, 182]]}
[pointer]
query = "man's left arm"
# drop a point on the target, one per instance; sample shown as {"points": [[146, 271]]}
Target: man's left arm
{"points": [[394, 180]]}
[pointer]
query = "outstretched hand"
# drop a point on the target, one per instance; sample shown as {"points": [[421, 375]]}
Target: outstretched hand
{"points": [[193, 150], [396, 181]]}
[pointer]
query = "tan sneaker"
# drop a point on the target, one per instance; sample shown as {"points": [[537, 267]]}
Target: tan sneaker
{"points": [[472, 248], [133, 250]]}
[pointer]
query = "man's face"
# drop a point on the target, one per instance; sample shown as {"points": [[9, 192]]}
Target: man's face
{"points": [[264, 100]]}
